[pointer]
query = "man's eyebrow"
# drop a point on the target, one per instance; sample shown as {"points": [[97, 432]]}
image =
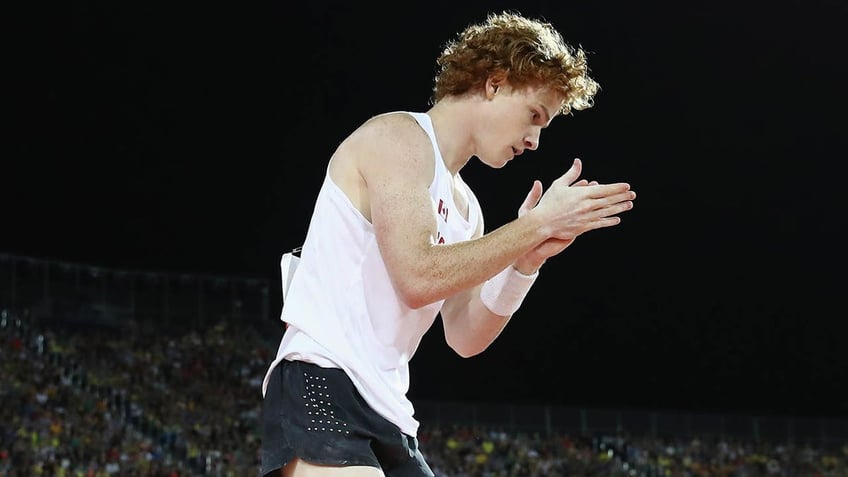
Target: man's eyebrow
{"points": [[548, 117]]}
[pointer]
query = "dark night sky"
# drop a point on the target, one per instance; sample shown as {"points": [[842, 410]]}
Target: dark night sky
{"points": [[193, 138]]}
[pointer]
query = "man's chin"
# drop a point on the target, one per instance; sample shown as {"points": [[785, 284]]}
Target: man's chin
{"points": [[496, 165]]}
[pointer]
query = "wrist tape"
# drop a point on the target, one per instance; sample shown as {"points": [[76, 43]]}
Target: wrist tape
{"points": [[503, 293]]}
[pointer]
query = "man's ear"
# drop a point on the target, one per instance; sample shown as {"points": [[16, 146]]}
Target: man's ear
{"points": [[494, 83]]}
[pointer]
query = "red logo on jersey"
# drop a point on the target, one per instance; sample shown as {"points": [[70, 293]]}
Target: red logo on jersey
{"points": [[443, 210]]}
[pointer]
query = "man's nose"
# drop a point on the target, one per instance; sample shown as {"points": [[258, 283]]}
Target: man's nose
{"points": [[531, 142]]}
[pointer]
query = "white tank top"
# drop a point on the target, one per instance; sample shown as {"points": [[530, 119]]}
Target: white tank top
{"points": [[341, 308]]}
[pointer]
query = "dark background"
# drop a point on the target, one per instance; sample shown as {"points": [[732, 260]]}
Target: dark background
{"points": [[193, 138]]}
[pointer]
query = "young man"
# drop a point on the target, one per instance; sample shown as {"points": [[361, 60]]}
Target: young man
{"points": [[397, 238]]}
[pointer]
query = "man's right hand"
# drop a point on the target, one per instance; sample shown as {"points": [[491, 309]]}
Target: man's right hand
{"points": [[573, 207]]}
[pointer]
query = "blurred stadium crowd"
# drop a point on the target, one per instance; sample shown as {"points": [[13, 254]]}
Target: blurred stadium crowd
{"points": [[105, 402]]}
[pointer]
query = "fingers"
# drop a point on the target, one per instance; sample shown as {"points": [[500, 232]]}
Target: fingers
{"points": [[618, 208], [604, 222], [580, 205], [532, 198], [612, 206], [584, 182], [599, 191], [626, 196], [573, 172]]}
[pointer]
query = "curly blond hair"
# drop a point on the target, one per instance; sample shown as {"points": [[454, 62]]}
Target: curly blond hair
{"points": [[529, 51]]}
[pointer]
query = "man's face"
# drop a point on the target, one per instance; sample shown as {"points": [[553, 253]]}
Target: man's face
{"points": [[514, 121]]}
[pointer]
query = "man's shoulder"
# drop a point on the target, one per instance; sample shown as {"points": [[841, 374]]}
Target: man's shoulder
{"points": [[388, 134], [392, 119], [392, 127]]}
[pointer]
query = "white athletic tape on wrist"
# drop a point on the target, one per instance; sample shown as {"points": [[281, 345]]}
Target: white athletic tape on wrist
{"points": [[503, 293]]}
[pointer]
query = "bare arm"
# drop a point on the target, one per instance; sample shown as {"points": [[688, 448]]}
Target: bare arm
{"points": [[395, 160], [470, 327]]}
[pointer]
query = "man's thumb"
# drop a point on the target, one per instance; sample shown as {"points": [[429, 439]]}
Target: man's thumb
{"points": [[532, 198]]}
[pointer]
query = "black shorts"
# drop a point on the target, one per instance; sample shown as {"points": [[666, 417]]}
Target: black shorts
{"points": [[316, 414]]}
